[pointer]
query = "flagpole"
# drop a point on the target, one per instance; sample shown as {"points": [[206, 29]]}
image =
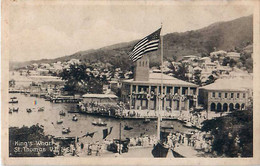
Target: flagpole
{"points": [[161, 95]]}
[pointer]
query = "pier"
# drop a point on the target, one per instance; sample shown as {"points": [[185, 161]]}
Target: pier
{"points": [[65, 99]]}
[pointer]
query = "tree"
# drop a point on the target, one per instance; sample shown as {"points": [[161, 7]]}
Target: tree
{"points": [[226, 60], [180, 73], [249, 65], [232, 63], [29, 134], [239, 65], [211, 79], [197, 75], [79, 81], [233, 134]]}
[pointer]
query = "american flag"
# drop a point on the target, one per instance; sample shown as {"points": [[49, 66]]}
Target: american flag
{"points": [[147, 44]]}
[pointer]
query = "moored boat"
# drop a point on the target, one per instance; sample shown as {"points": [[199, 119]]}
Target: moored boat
{"points": [[62, 113], [99, 123], [10, 111], [128, 128], [66, 130], [29, 110], [188, 124], [41, 109], [59, 121], [74, 118]]}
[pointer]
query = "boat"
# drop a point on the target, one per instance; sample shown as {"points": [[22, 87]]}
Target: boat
{"points": [[62, 113], [10, 111], [167, 127], [188, 124], [13, 100], [66, 130], [128, 128], [99, 123], [146, 120], [15, 109], [59, 121], [74, 118], [41, 109], [29, 110]]}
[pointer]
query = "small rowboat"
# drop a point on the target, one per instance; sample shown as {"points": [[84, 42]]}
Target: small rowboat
{"points": [[188, 124], [74, 118], [60, 121], [128, 128], [41, 109], [29, 110], [62, 113], [99, 123], [66, 130]]}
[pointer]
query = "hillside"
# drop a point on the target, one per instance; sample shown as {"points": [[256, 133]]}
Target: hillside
{"points": [[229, 35]]}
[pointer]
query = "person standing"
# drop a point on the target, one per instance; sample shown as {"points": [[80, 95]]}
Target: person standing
{"points": [[98, 150], [89, 149]]}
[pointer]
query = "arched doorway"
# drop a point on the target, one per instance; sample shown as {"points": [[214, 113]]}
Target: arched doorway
{"points": [[225, 107], [242, 106], [218, 107], [231, 106], [213, 107], [237, 106]]}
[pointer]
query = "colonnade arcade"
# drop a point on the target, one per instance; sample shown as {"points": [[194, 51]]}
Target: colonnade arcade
{"points": [[225, 107], [173, 98]]}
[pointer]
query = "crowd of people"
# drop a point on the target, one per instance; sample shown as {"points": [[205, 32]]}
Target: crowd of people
{"points": [[198, 140]]}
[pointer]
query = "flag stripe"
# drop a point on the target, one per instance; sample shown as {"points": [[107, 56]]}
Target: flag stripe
{"points": [[155, 45], [138, 56], [148, 44], [145, 45], [137, 47]]}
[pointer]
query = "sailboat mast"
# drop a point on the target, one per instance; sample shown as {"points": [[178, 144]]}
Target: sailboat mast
{"points": [[161, 94]]}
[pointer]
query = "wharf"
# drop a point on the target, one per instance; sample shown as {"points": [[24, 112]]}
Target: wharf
{"points": [[64, 100]]}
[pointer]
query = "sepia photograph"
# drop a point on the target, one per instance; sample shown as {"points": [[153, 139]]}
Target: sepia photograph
{"points": [[129, 80]]}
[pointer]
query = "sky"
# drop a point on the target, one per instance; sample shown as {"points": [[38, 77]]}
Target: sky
{"points": [[51, 31]]}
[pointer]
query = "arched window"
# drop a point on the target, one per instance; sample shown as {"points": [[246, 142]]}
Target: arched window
{"points": [[225, 107], [218, 107], [242, 106], [231, 106], [213, 107], [237, 106]]}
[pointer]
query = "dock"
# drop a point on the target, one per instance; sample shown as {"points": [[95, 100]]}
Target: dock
{"points": [[64, 100]]}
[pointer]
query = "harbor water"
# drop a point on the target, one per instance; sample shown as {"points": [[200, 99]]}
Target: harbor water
{"points": [[49, 117]]}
